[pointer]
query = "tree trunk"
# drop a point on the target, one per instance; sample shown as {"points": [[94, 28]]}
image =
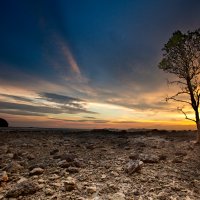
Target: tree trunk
{"points": [[198, 132], [198, 125]]}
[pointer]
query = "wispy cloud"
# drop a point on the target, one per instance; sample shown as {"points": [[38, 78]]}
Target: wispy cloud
{"points": [[82, 120], [70, 58], [66, 61], [43, 104], [58, 98]]}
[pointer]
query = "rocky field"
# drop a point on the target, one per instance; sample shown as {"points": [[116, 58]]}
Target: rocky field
{"points": [[44, 164]]}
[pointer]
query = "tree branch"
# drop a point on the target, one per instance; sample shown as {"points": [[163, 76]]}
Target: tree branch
{"points": [[186, 117], [179, 100], [175, 82]]}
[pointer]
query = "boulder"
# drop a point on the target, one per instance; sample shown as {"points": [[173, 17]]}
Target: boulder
{"points": [[146, 158], [133, 166], [22, 189], [70, 184], [3, 123], [36, 171]]}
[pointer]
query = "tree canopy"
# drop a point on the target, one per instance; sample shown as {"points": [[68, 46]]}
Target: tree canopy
{"points": [[181, 57]]}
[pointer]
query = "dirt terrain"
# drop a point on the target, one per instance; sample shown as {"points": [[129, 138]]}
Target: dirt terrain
{"points": [[44, 164]]}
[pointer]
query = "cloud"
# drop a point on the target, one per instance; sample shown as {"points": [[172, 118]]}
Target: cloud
{"points": [[73, 105], [73, 64], [125, 122], [29, 108], [141, 106], [82, 120], [58, 98], [64, 104], [19, 112], [17, 98]]}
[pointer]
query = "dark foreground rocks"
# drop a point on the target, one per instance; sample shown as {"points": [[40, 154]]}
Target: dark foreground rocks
{"points": [[22, 189], [99, 165]]}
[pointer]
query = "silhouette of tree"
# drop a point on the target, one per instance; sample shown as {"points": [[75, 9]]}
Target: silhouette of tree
{"points": [[182, 58]]}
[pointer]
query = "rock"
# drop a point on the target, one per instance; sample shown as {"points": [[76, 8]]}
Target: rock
{"points": [[36, 171], [3, 123], [146, 158], [13, 167], [90, 147], [140, 144], [17, 156], [4, 177], [114, 173], [103, 176], [91, 189], [180, 153], [54, 177], [68, 157], [77, 163], [70, 184], [117, 196], [177, 160], [162, 157], [31, 157], [10, 155], [38, 165], [54, 151], [133, 166], [22, 179], [134, 157], [49, 191], [63, 164], [22, 189], [40, 181], [72, 169]]}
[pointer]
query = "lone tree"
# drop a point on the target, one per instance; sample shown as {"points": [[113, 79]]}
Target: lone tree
{"points": [[181, 57]]}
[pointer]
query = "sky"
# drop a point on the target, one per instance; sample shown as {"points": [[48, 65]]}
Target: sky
{"points": [[91, 63]]}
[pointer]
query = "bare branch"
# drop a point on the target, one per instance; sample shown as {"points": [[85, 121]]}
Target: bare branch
{"points": [[179, 100], [176, 82], [186, 117]]}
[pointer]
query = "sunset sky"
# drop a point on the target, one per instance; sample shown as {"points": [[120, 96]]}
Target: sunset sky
{"points": [[90, 63]]}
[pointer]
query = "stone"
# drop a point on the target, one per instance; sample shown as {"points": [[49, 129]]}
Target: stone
{"points": [[91, 189], [146, 158], [114, 173], [38, 165], [22, 189], [68, 157], [31, 157], [10, 155], [133, 166], [70, 184], [54, 151], [103, 176], [180, 153], [22, 179], [117, 196], [36, 171], [63, 164], [40, 181], [72, 169], [177, 160], [14, 167], [49, 191], [162, 157], [4, 177], [149, 158]]}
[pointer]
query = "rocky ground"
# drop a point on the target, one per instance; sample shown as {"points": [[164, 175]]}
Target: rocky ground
{"points": [[98, 165]]}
